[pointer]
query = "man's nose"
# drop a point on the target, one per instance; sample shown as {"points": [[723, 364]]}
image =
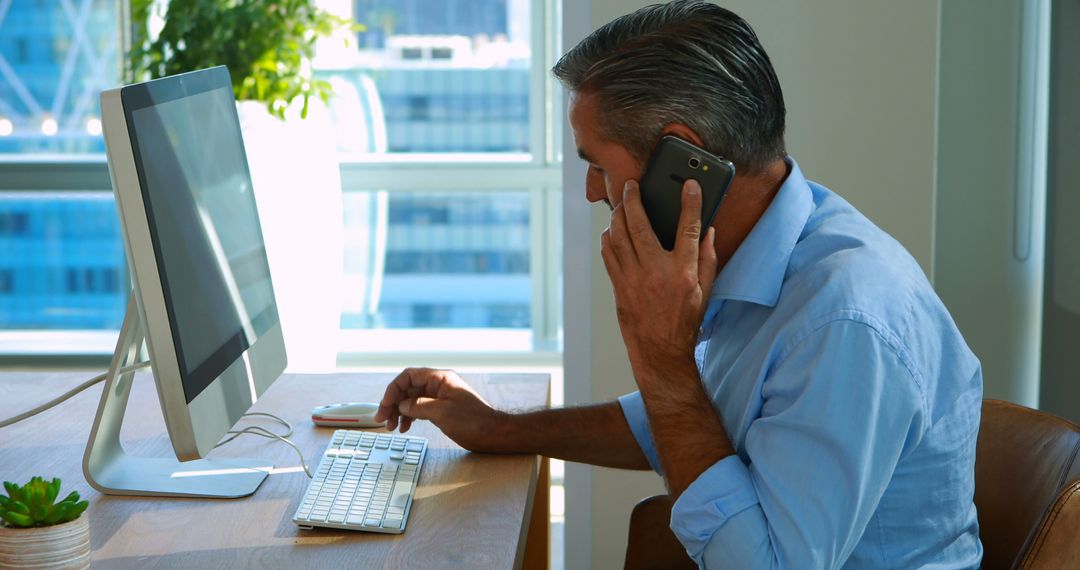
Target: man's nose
{"points": [[594, 193], [593, 196]]}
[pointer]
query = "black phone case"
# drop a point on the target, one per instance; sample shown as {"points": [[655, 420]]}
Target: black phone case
{"points": [[661, 187]]}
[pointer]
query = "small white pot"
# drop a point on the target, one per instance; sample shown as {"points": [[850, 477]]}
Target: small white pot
{"points": [[59, 546]]}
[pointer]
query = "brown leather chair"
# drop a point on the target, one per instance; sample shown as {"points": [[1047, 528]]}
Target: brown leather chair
{"points": [[1026, 483], [1027, 492], [652, 545]]}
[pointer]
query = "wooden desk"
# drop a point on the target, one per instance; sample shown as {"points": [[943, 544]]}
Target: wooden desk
{"points": [[470, 511]]}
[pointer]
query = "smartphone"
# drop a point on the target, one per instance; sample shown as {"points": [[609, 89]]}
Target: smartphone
{"points": [[672, 163]]}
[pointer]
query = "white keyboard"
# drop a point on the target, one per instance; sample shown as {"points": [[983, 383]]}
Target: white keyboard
{"points": [[365, 481]]}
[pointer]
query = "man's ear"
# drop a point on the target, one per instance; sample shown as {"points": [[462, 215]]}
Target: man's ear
{"points": [[683, 132]]}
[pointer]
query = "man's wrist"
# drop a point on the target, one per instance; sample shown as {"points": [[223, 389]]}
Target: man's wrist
{"points": [[665, 370], [505, 433], [686, 429]]}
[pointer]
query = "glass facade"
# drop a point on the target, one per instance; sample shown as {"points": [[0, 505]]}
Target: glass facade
{"points": [[61, 262], [451, 75], [440, 76], [55, 58], [455, 110], [386, 18], [426, 76], [457, 260]]}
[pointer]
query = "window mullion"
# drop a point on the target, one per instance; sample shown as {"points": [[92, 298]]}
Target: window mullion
{"points": [[396, 177], [537, 82], [55, 175], [538, 264], [552, 251]]}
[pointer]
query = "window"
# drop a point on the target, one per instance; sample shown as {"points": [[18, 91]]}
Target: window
{"points": [[62, 267], [22, 51], [55, 58], [64, 270], [457, 86], [441, 122], [14, 223]]}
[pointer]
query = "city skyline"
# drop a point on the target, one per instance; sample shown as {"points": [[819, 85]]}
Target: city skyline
{"points": [[427, 107]]}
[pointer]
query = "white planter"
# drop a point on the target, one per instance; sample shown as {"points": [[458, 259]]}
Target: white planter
{"points": [[49, 547], [297, 183]]}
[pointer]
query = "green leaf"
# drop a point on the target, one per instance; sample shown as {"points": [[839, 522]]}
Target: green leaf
{"points": [[266, 45], [53, 490], [20, 507], [73, 497], [15, 519], [74, 512], [13, 490], [56, 512], [30, 496]]}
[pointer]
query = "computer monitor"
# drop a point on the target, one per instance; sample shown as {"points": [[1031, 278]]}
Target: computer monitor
{"points": [[202, 295]]}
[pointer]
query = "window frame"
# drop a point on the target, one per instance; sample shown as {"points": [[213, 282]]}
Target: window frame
{"points": [[538, 172]]}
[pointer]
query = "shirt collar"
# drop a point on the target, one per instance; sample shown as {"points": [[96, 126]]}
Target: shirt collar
{"points": [[755, 273]]}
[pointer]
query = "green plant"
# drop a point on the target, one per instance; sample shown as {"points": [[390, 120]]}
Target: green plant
{"points": [[266, 44], [32, 504]]}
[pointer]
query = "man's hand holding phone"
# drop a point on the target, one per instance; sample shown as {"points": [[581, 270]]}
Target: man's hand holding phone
{"points": [[660, 295], [673, 162]]}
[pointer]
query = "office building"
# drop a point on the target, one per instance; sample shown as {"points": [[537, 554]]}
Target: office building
{"points": [[53, 64], [448, 82], [56, 273]]}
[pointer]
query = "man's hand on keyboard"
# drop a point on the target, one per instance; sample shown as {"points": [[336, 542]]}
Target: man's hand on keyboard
{"points": [[442, 397]]}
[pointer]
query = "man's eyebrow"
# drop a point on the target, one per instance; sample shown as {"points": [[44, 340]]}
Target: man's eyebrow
{"points": [[584, 156]]}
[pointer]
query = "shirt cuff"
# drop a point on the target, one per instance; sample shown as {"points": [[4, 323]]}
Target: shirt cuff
{"points": [[633, 408], [718, 494]]}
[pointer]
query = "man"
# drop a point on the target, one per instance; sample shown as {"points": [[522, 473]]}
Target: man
{"points": [[804, 393]]}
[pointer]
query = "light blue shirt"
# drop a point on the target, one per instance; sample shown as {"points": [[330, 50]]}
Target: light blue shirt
{"points": [[849, 395]]}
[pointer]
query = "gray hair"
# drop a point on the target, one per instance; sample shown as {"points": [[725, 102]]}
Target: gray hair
{"points": [[688, 62]]}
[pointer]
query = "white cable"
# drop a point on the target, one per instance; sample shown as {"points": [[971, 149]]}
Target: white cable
{"points": [[254, 430], [70, 393], [263, 432]]}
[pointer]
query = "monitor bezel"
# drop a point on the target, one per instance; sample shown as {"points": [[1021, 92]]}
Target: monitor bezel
{"points": [[194, 427], [147, 95]]}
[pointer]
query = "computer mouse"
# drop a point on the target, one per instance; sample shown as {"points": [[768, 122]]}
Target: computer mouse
{"points": [[354, 414]]}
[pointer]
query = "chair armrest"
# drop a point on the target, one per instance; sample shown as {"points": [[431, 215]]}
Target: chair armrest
{"points": [[1054, 544], [651, 544]]}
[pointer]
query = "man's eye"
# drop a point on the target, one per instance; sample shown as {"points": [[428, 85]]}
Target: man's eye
{"points": [[596, 168]]}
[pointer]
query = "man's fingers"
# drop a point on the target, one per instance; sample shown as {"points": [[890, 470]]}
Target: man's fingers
{"points": [[619, 235], [637, 221], [388, 405], [707, 262], [686, 241], [421, 408], [410, 382], [607, 253]]}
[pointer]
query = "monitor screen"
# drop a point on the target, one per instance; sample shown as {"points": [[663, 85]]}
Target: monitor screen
{"points": [[204, 225]]}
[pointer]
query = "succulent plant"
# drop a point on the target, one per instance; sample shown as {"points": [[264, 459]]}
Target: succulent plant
{"points": [[32, 504]]}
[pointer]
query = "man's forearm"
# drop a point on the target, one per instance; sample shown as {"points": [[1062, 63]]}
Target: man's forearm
{"points": [[688, 434], [596, 434]]}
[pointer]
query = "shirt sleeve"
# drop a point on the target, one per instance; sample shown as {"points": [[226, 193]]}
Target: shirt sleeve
{"points": [[837, 413], [633, 408]]}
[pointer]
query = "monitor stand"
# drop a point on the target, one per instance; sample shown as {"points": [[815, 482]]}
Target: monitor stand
{"points": [[109, 469]]}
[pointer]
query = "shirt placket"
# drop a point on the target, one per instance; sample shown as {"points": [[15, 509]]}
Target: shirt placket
{"points": [[705, 332]]}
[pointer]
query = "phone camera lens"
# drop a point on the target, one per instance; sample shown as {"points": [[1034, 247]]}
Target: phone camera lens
{"points": [[694, 162]]}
